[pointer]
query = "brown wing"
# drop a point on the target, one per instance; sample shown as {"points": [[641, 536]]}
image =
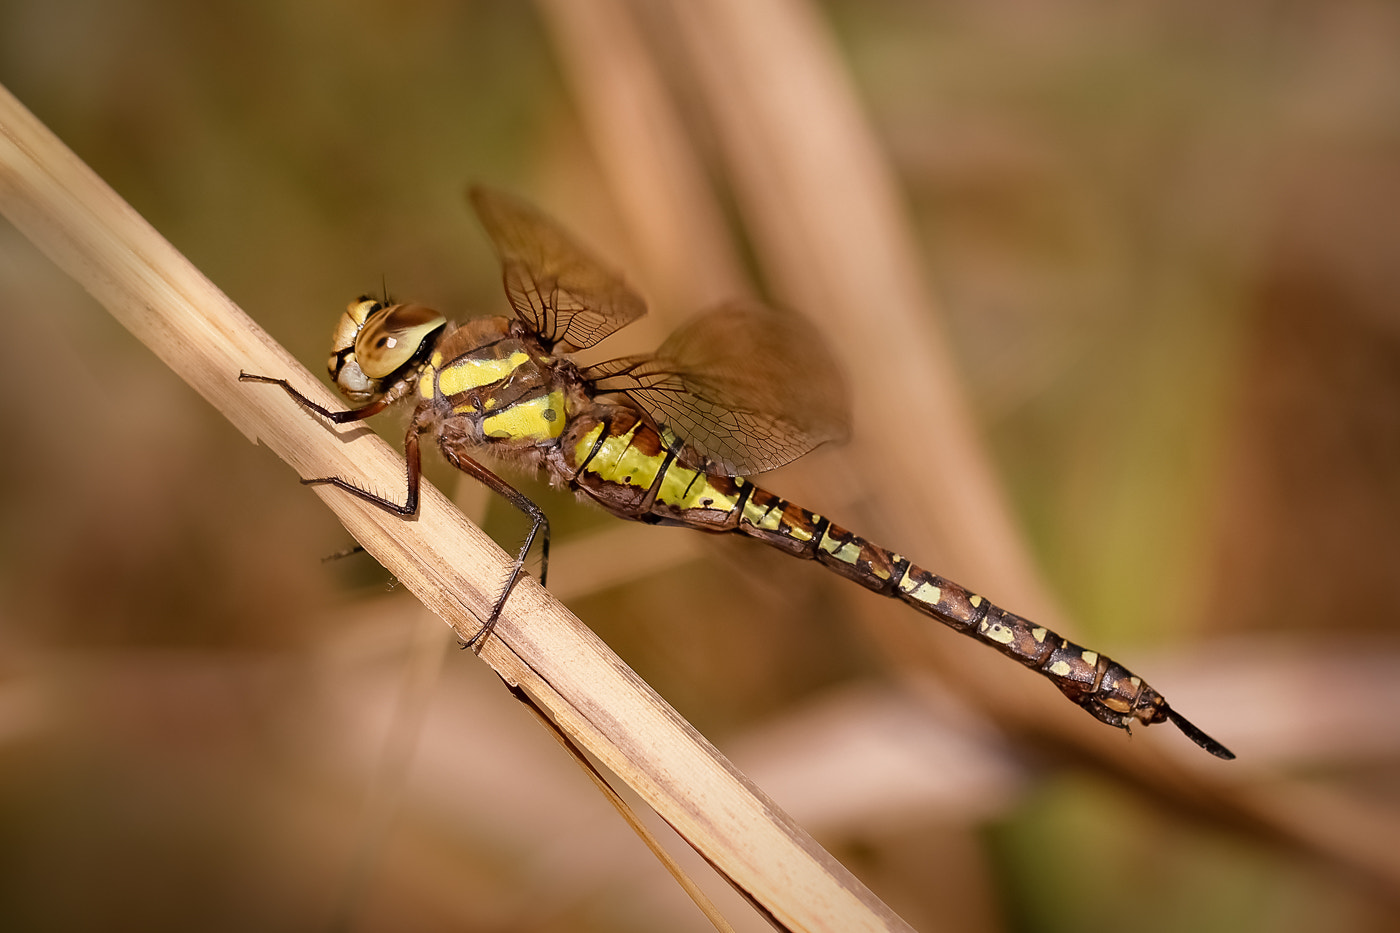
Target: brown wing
{"points": [[744, 388], [567, 297]]}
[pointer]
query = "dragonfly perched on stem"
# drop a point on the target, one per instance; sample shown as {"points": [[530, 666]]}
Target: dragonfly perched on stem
{"points": [[664, 438]]}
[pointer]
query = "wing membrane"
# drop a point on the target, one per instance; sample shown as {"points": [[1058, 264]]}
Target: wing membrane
{"points": [[563, 293], [744, 388]]}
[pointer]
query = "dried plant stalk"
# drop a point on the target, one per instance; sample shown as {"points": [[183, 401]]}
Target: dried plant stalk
{"points": [[826, 220], [87, 230]]}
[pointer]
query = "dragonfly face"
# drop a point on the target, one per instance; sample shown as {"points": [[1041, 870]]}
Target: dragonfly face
{"points": [[660, 438], [374, 341]]}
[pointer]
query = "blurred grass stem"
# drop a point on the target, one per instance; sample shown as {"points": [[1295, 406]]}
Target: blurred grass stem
{"points": [[448, 563]]}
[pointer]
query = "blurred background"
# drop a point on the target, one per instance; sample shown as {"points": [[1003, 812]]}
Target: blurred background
{"points": [[1118, 297]]}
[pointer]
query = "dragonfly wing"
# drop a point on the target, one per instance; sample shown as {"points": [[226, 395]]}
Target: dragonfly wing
{"points": [[745, 389], [566, 296]]}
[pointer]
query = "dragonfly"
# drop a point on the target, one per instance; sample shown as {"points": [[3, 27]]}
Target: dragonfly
{"points": [[665, 438]]}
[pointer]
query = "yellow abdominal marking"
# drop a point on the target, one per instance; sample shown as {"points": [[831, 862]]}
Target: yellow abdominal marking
{"points": [[975, 600], [768, 519], [997, 632], [921, 590], [617, 461], [1060, 669], [585, 443], [535, 419], [635, 468], [1116, 704], [689, 489], [465, 374], [1039, 633], [1091, 658], [605, 460], [841, 550]]}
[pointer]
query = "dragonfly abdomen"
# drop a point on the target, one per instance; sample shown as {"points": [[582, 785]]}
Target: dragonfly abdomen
{"points": [[623, 464], [1107, 690]]}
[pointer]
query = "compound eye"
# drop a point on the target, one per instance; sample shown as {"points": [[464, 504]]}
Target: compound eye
{"points": [[348, 327], [361, 308], [391, 336]]}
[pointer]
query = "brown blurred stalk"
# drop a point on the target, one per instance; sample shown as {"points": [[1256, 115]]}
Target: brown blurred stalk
{"points": [[830, 233], [86, 229]]}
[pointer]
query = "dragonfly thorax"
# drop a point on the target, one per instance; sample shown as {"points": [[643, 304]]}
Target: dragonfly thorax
{"points": [[492, 381], [373, 342]]}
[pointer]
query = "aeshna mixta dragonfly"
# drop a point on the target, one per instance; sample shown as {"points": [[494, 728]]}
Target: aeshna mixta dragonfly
{"points": [[664, 438]]}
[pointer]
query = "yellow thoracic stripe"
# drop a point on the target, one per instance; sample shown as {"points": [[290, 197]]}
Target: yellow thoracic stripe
{"points": [[534, 419], [463, 374]]}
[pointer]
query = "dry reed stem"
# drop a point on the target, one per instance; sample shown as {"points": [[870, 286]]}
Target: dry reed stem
{"points": [[831, 229], [653, 173], [449, 564], [831, 234]]}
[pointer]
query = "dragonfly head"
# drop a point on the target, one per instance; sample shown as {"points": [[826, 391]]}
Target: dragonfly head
{"points": [[372, 341]]}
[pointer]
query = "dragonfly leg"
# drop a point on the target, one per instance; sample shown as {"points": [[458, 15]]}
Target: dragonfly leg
{"points": [[414, 466], [539, 525], [335, 417], [410, 504], [539, 522]]}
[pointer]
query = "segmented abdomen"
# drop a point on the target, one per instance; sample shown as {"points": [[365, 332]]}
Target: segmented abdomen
{"points": [[622, 463]]}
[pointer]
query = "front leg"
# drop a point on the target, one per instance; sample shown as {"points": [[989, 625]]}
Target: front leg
{"points": [[335, 417], [411, 454], [412, 457]]}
